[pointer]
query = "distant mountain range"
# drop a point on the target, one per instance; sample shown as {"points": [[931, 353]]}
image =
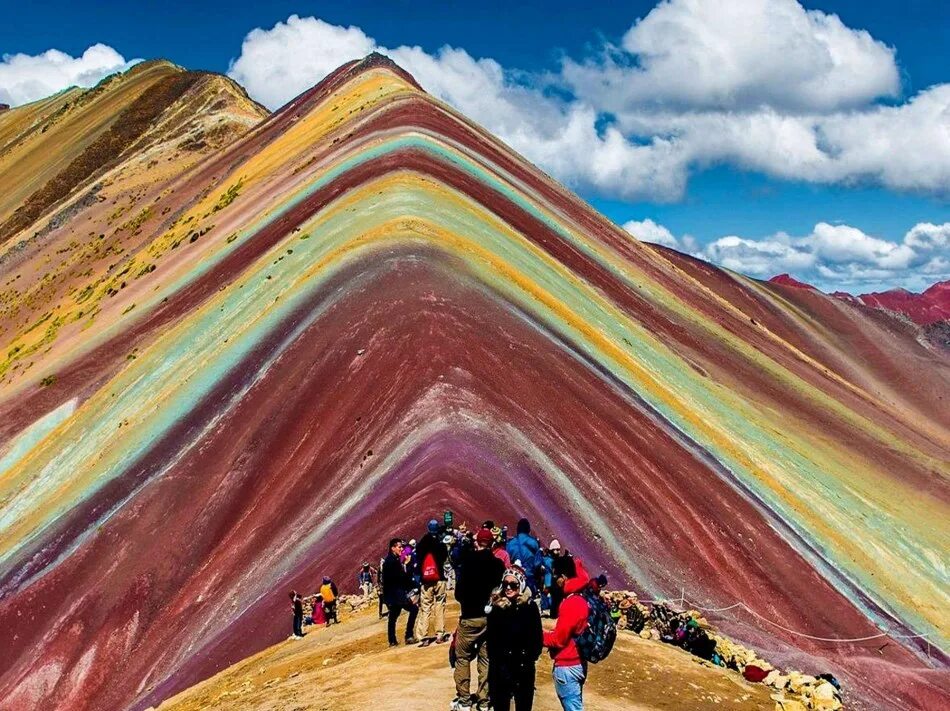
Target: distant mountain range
{"points": [[929, 307]]}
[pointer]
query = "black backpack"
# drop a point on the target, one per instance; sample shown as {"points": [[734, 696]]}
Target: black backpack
{"points": [[596, 641]]}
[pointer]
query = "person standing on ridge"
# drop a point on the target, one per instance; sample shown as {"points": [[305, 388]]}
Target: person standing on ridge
{"points": [[525, 550], [432, 555], [329, 594], [562, 570], [514, 640], [364, 579], [397, 584], [479, 573], [570, 670], [379, 582], [296, 604]]}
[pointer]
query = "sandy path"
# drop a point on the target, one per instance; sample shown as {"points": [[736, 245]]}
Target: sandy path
{"points": [[351, 667]]}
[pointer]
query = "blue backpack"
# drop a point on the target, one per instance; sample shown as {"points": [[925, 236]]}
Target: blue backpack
{"points": [[597, 639]]}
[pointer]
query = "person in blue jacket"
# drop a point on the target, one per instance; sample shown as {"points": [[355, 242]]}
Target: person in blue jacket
{"points": [[524, 548]]}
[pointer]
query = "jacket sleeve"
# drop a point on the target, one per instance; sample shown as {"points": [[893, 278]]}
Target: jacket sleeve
{"points": [[569, 622], [536, 633], [333, 589]]}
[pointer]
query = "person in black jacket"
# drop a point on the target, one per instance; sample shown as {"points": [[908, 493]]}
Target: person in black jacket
{"points": [[397, 584], [480, 572], [296, 603], [562, 570], [514, 640], [431, 555]]}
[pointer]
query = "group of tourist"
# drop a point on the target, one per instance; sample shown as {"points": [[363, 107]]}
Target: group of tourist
{"points": [[503, 586]]}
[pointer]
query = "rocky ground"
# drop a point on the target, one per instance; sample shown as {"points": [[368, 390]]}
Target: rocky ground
{"points": [[350, 666]]}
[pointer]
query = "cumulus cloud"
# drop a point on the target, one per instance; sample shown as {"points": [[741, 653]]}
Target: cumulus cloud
{"points": [[830, 256], [25, 78], [710, 54], [762, 85]]}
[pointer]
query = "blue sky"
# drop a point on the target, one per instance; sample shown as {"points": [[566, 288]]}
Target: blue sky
{"points": [[712, 186]]}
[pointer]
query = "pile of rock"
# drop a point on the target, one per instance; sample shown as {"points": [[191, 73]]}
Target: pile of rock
{"points": [[660, 622]]}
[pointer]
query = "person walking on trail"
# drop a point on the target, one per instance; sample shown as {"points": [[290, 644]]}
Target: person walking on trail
{"points": [[296, 604], [479, 573], [397, 584], [329, 594], [525, 550], [514, 639], [562, 570], [364, 580], [432, 555], [570, 670]]}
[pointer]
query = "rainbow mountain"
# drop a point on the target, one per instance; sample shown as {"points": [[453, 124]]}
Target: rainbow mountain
{"points": [[236, 359]]}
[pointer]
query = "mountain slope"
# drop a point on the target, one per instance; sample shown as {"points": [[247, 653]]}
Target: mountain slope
{"points": [[368, 309]]}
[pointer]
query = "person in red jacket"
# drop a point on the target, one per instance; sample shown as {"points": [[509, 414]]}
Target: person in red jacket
{"points": [[570, 671]]}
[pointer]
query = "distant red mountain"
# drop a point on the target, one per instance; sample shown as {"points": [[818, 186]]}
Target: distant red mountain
{"points": [[930, 306]]}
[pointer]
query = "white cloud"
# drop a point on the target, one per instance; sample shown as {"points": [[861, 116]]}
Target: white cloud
{"points": [[762, 85], [721, 54], [829, 257], [649, 231], [25, 78]]}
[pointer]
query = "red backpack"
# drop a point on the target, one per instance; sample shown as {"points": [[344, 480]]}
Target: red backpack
{"points": [[430, 569]]}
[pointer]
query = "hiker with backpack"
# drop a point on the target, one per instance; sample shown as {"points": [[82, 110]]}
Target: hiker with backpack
{"points": [[397, 586], [432, 555], [328, 593], [479, 573], [584, 634], [513, 638]]}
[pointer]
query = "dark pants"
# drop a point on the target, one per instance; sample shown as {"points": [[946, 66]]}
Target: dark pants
{"points": [[394, 611], [557, 595], [329, 608], [298, 625], [507, 684]]}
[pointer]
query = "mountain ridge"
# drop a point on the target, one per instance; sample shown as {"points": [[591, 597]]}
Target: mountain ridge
{"points": [[366, 295]]}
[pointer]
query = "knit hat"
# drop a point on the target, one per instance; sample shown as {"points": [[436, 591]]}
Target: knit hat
{"points": [[433, 526], [524, 526], [555, 545], [484, 537], [412, 542], [518, 575], [496, 532], [326, 578]]}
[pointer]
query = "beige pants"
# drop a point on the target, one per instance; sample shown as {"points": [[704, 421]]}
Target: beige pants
{"points": [[431, 604], [471, 632]]}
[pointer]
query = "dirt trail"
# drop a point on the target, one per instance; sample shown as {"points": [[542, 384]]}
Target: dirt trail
{"points": [[350, 666]]}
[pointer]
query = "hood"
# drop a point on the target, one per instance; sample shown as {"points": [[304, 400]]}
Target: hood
{"points": [[579, 581]]}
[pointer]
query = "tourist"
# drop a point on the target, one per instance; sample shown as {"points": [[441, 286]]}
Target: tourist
{"points": [[570, 671], [319, 615], [431, 554], [480, 572], [498, 550], [329, 594], [562, 569], [396, 587], [364, 579], [514, 642], [379, 582], [524, 550], [296, 604]]}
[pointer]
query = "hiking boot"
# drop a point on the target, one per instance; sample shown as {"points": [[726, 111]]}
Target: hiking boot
{"points": [[459, 705], [394, 644], [411, 640], [426, 641], [482, 706], [443, 638]]}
